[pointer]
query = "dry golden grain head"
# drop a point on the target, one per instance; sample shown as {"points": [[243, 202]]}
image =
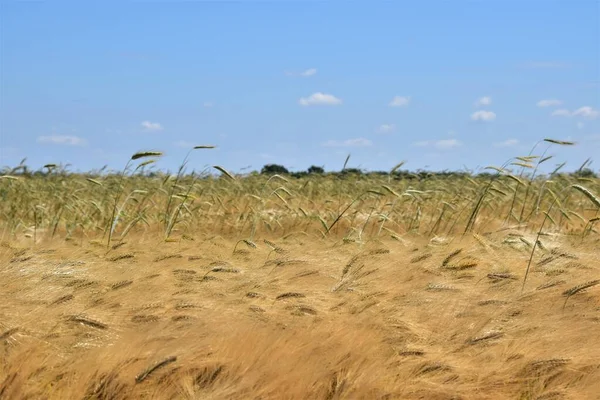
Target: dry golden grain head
{"points": [[84, 320], [450, 256], [146, 373], [524, 165], [588, 194], [121, 257], [121, 284], [581, 287], [8, 333], [527, 159], [249, 243], [497, 169], [390, 190]]}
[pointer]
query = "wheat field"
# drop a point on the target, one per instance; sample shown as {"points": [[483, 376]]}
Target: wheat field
{"points": [[338, 286]]}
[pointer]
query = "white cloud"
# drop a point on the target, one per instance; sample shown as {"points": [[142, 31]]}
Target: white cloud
{"points": [[151, 126], [580, 125], [358, 142], [319, 99], [447, 143], [483, 115], [387, 128], [549, 103], [400, 101], [309, 72], [207, 104], [584, 112], [62, 139], [507, 143], [443, 144], [484, 101]]}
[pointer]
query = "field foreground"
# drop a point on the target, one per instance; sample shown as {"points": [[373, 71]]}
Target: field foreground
{"points": [[300, 318]]}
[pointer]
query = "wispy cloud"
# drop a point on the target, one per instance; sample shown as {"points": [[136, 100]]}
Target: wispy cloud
{"points": [[443, 144], [320, 99], [549, 103], [507, 143], [306, 73], [309, 72], [583, 112], [580, 125], [387, 128], [207, 104], [483, 101], [358, 142], [151, 126], [62, 139], [483, 115], [400, 101]]}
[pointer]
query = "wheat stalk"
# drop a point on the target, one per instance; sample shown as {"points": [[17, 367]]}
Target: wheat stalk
{"points": [[142, 376], [578, 289], [588, 194]]}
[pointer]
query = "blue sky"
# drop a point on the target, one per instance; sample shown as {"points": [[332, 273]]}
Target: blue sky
{"points": [[440, 84]]}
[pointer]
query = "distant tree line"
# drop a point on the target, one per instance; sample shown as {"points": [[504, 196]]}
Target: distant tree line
{"points": [[271, 169]]}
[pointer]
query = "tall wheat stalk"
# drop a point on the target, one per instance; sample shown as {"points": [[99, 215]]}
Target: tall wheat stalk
{"points": [[113, 218]]}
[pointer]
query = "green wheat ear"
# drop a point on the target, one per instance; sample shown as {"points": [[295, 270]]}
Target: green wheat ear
{"points": [[559, 142], [147, 162], [143, 154], [224, 171], [397, 167], [94, 181]]}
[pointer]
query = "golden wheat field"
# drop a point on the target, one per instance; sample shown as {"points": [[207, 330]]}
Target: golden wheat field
{"points": [[130, 286]]}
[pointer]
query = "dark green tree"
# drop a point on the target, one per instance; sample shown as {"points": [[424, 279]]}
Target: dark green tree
{"points": [[316, 170], [271, 169]]}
